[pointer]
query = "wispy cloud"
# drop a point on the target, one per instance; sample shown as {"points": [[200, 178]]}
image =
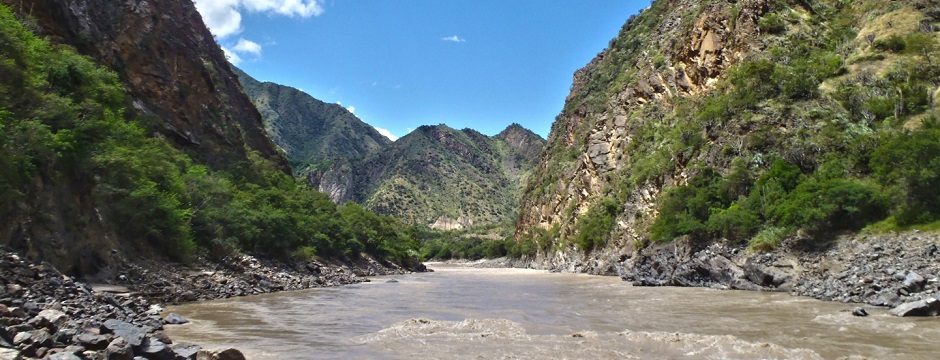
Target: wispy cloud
{"points": [[454, 38], [386, 133]]}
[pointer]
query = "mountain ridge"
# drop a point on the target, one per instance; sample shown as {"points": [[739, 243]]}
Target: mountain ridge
{"points": [[310, 131]]}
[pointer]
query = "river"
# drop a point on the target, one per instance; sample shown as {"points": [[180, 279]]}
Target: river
{"points": [[458, 312]]}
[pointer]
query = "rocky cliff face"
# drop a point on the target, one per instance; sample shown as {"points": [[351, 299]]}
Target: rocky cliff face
{"points": [[438, 176], [176, 76], [672, 50], [178, 84], [680, 90]]}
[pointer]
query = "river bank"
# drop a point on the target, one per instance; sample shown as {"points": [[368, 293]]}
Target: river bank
{"points": [[898, 271], [46, 314]]}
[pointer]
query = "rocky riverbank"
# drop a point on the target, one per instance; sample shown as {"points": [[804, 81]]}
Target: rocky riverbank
{"points": [[899, 271], [46, 314]]}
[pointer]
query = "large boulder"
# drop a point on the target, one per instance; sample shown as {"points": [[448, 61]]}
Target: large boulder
{"points": [[56, 318], [120, 349], [926, 307], [175, 319], [229, 354], [92, 341], [130, 332], [913, 282], [185, 351], [155, 350]]}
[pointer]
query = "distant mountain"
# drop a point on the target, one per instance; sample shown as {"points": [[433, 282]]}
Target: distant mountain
{"points": [[436, 175], [311, 132], [439, 176]]}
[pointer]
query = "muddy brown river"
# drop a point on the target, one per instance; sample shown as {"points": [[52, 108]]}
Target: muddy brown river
{"points": [[468, 313]]}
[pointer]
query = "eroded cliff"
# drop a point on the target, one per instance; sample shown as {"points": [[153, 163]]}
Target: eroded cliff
{"points": [[690, 92]]}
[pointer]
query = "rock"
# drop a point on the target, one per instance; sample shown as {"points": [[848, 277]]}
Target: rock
{"points": [[5, 340], [155, 349], [9, 354], [22, 338], [119, 349], [175, 319], [392, 281], [133, 334], [926, 307], [185, 351], [41, 338], [92, 341], [63, 356], [859, 311], [54, 317], [229, 354], [913, 282]]}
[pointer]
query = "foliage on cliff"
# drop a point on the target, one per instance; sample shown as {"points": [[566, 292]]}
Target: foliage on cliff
{"points": [[63, 125], [749, 121], [311, 132]]}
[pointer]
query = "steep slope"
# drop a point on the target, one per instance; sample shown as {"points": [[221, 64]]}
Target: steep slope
{"points": [[148, 149], [177, 79], [311, 132], [746, 121], [439, 176]]}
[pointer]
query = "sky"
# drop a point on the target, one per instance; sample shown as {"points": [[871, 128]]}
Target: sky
{"points": [[397, 65]]}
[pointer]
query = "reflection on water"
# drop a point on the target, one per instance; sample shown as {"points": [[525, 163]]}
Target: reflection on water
{"points": [[495, 313]]}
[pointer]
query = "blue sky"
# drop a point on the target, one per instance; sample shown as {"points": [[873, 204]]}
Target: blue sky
{"points": [[482, 64]]}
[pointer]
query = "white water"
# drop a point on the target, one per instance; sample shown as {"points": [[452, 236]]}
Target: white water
{"points": [[506, 313]]}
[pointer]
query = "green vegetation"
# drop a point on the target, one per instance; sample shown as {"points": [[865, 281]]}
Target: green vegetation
{"points": [[62, 121], [821, 132], [595, 227], [491, 241]]}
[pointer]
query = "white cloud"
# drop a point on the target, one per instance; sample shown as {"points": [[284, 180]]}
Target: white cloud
{"points": [[386, 133], [231, 56], [224, 17], [454, 38], [351, 109], [247, 46]]}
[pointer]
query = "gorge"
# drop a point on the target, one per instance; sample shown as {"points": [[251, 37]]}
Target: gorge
{"points": [[786, 147]]}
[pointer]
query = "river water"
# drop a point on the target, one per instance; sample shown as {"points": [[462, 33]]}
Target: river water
{"points": [[469, 313]]}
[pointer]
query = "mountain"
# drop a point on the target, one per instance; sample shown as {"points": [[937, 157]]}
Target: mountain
{"points": [[439, 176], [435, 176], [178, 81], [310, 131], [126, 136], [744, 121]]}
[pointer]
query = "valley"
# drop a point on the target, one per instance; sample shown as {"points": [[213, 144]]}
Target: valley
{"points": [[788, 148]]}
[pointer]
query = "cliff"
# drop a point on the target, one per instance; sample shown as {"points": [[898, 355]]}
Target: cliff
{"points": [[718, 121], [176, 77]]}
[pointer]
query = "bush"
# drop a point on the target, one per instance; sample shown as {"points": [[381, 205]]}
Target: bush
{"points": [[768, 239], [772, 23], [830, 205], [909, 165], [595, 227]]}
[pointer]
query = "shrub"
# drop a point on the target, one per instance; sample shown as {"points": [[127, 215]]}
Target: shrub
{"points": [[768, 239], [772, 23], [908, 164]]}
